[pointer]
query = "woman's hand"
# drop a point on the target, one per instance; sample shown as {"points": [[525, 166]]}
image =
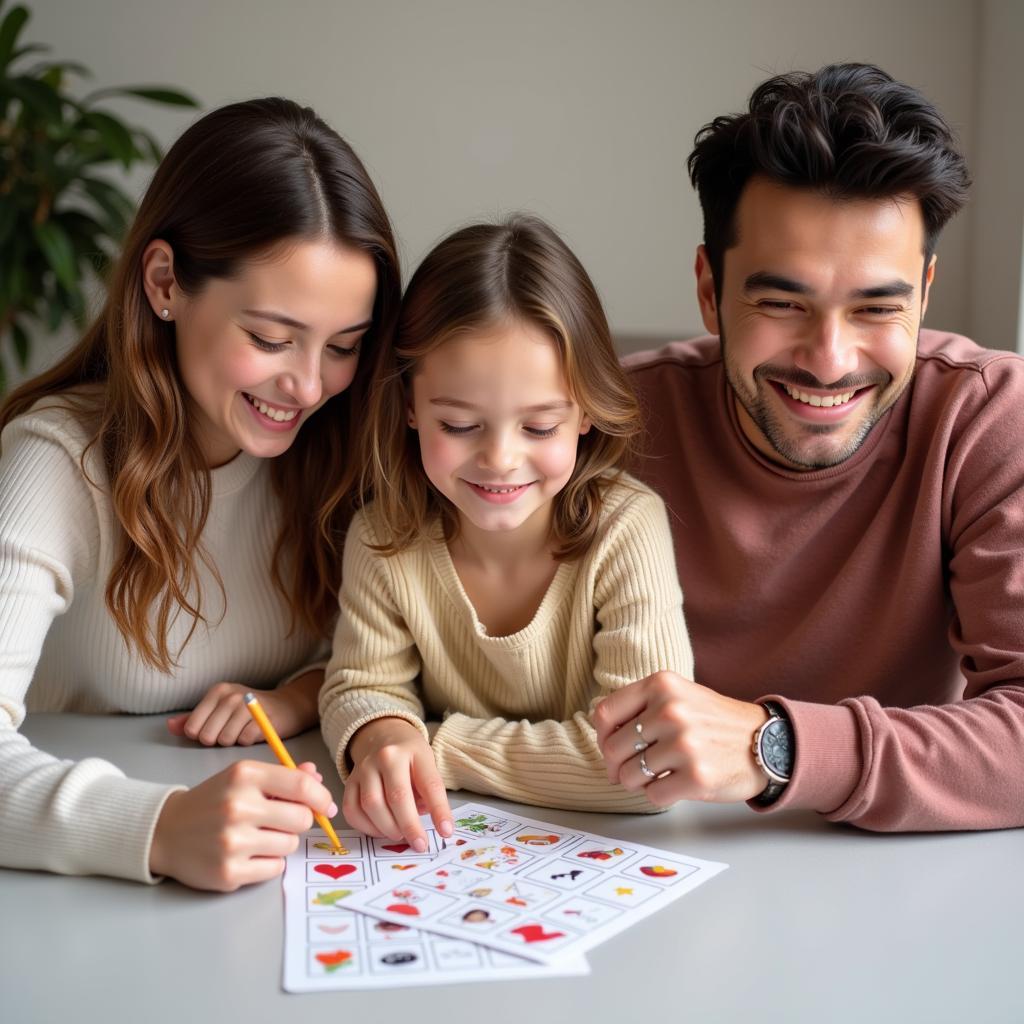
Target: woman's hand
{"points": [[222, 719], [238, 826], [395, 779], [698, 741]]}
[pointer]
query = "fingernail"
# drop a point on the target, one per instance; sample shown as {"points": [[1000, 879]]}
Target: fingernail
{"points": [[446, 829], [332, 810], [419, 845]]}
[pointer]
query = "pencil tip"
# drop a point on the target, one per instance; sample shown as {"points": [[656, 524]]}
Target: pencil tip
{"points": [[248, 698]]}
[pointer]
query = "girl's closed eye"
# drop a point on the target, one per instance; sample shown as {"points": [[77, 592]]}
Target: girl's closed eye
{"points": [[543, 431], [451, 428]]}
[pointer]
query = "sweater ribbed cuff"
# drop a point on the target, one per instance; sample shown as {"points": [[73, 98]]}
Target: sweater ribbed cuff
{"points": [[828, 760], [341, 758]]}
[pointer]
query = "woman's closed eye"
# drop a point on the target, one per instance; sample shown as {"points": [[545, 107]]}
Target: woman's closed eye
{"points": [[265, 345]]}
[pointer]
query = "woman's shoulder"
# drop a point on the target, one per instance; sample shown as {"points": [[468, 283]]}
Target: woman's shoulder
{"points": [[68, 419]]}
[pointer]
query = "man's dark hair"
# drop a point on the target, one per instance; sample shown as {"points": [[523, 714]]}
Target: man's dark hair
{"points": [[849, 131]]}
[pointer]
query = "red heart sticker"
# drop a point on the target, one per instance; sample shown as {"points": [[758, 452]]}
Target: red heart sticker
{"points": [[335, 871], [395, 847]]}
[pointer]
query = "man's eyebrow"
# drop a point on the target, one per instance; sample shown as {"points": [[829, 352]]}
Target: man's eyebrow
{"points": [[764, 280], [287, 321], [896, 289], [456, 403]]}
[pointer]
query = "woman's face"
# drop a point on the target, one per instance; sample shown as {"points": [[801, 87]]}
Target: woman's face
{"points": [[261, 352]]}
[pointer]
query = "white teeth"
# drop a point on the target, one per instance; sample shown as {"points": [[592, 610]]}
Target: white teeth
{"points": [[826, 402], [278, 415], [499, 490]]}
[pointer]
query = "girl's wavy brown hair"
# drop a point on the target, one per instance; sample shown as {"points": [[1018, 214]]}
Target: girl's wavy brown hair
{"points": [[479, 278], [240, 181]]}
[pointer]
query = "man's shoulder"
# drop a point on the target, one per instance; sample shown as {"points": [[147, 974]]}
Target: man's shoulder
{"points": [[950, 364], [676, 357], [945, 348]]}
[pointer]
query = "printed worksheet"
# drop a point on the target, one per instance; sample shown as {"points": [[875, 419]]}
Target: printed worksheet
{"points": [[328, 946], [532, 889]]}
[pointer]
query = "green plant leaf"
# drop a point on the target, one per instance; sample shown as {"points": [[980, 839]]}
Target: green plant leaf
{"points": [[153, 93], [22, 347], [10, 29], [8, 218], [38, 96], [24, 51], [59, 252], [111, 200], [116, 136]]}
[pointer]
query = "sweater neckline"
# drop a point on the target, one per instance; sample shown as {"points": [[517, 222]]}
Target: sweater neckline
{"points": [[445, 568], [234, 475]]}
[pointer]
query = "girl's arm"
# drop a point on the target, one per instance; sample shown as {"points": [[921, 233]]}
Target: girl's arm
{"points": [[640, 629], [370, 711]]}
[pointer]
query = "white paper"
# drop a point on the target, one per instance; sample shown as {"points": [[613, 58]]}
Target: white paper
{"points": [[328, 946], [530, 888]]}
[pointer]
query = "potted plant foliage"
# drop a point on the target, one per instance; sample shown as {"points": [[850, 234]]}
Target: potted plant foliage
{"points": [[61, 218]]}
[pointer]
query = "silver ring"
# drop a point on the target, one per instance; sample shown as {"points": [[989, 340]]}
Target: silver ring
{"points": [[645, 768], [639, 727], [640, 746]]}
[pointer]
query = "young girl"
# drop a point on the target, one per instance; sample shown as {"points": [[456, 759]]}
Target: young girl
{"points": [[507, 574], [173, 496]]}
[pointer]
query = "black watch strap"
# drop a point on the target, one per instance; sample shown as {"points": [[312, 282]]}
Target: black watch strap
{"points": [[776, 784]]}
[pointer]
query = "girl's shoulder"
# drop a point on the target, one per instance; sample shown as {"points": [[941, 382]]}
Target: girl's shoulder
{"points": [[369, 528], [624, 496]]}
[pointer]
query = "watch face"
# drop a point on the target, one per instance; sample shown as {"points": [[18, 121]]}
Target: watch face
{"points": [[777, 748]]}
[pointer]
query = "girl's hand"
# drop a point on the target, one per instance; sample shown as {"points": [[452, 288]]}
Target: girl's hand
{"points": [[238, 826], [222, 719], [395, 779]]}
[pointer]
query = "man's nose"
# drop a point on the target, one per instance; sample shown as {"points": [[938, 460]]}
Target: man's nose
{"points": [[831, 351]]}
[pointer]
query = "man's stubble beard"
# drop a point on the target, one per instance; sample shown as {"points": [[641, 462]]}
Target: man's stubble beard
{"points": [[771, 425]]}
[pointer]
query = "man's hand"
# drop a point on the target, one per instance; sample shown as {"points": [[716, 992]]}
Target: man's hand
{"points": [[700, 737], [395, 779]]}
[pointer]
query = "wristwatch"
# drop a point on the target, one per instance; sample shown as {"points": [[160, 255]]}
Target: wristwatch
{"points": [[774, 749]]}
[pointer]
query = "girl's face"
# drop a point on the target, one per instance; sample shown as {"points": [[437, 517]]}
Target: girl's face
{"points": [[498, 429], [261, 352]]}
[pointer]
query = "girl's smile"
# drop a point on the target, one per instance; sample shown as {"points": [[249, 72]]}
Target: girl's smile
{"points": [[498, 429]]}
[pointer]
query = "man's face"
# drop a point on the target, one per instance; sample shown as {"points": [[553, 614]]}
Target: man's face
{"points": [[820, 307]]}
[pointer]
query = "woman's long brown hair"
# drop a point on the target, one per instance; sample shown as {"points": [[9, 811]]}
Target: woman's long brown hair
{"points": [[238, 182], [478, 278]]}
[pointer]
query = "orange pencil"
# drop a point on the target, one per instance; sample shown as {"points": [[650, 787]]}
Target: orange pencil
{"points": [[275, 744]]}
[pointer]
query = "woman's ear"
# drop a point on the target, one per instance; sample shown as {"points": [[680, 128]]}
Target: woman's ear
{"points": [[410, 413], [158, 279]]}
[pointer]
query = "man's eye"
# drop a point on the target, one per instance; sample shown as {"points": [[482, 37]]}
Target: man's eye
{"points": [[449, 428], [880, 310], [264, 345], [777, 304]]}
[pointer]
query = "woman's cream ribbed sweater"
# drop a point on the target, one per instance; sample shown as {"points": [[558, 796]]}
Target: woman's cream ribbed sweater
{"points": [[61, 651], [516, 708]]}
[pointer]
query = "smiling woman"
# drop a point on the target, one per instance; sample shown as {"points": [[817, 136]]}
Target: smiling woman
{"points": [[173, 495]]}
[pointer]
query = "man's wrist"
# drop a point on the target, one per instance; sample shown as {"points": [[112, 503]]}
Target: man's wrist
{"points": [[774, 750]]}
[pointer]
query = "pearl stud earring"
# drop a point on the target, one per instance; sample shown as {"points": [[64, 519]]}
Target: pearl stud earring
{"points": [[165, 313]]}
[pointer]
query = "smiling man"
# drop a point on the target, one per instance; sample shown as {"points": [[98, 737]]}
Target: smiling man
{"points": [[847, 489]]}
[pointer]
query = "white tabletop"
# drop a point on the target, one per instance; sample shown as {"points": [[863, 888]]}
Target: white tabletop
{"points": [[812, 922]]}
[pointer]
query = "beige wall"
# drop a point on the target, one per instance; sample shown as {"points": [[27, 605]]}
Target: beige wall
{"points": [[996, 310], [581, 111]]}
